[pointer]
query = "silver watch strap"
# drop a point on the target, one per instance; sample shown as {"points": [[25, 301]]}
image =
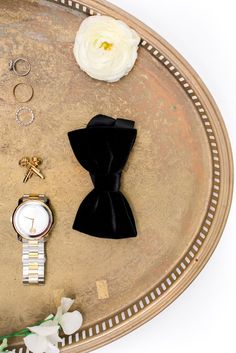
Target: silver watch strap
{"points": [[33, 259]]}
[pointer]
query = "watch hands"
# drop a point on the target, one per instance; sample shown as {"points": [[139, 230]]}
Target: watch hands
{"points": [[32, 229]]}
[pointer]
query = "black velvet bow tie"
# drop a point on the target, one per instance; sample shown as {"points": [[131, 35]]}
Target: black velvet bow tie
{"points": [[103, 148]]}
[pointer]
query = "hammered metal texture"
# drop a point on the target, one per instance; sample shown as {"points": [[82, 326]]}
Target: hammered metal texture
{"points": [[172, 178]]}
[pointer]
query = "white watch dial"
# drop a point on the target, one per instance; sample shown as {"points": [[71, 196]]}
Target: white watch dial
{"points": [[32, 219]]}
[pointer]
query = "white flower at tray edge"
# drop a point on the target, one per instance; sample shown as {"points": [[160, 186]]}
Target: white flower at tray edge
{"points": [[106, 48], [3, 346], [45, 338], [70, 322]]}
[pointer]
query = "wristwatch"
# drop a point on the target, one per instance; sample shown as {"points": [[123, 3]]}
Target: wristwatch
{"points": [[32, 221]]}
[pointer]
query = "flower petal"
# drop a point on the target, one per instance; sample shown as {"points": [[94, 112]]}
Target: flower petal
{"points": [[49, 317], [52, 349], [44, 330], [3, 345], [58, 315], [66, 303], [71, 322], [54, 339], [48, 323], [36, 343]]}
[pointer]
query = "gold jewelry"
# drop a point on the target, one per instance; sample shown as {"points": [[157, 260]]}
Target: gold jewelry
{"points": [[28, 95], [32, 167]]}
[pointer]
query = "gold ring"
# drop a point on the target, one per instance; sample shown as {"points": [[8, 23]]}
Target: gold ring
{"points": [[23, 100]]}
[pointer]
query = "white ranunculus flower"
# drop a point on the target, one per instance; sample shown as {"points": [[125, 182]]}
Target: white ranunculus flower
{"points": [[106, 48], [70, 322]]}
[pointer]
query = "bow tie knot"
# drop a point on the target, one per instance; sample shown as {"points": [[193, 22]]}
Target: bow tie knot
{"points": [[106, 182]]}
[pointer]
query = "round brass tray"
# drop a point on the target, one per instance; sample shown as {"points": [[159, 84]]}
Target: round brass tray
{"points": [[178, 179]]}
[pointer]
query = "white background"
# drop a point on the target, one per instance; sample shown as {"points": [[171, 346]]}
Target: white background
{"points": [[203, 318]]}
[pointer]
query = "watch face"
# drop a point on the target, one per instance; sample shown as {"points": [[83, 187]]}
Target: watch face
{"points": [[32, 219]]}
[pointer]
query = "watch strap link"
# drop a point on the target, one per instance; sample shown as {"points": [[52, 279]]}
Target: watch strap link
{"points": [[40, 197], [33, 259]]}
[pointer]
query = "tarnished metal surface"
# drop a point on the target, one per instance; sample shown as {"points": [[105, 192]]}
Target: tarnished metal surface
{"points": [[167, 180]]}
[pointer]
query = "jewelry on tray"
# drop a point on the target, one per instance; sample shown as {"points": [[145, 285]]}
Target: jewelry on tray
{"points": [[19, 116], [32, 167], [28, 95], [13, 66]]}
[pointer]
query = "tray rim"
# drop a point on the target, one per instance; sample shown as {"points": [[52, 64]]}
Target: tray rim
{"points": [[154, 40]]}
